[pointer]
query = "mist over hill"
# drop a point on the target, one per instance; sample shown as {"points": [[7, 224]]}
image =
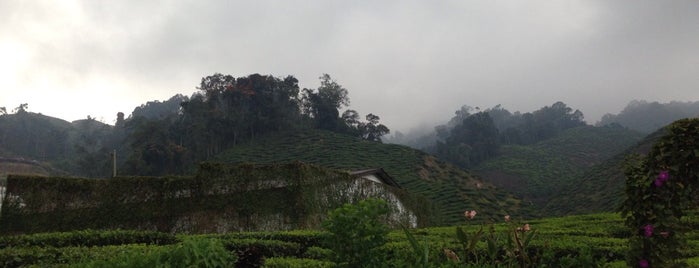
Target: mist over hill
{"points": [[648, 117], [533, 155]]}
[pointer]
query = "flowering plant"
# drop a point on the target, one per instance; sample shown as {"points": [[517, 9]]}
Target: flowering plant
{"points": [[659, 188]]}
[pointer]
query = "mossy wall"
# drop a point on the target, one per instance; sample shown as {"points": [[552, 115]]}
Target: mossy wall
{"points": [[220, 198]]}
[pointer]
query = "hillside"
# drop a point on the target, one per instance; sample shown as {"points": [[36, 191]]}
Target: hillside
{"points": [[600, 188], [537, 172], [450, 189], [648, 117], [24, 167], [51, 141]]}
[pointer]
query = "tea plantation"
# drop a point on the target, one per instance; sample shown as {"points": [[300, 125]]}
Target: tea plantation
{"points": [[595, 240]]}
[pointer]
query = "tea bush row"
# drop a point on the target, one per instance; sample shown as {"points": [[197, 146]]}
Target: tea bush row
{"points": [[88, 238]]}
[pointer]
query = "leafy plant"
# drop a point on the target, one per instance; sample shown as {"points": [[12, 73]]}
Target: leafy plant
{"points": [[192, 252], [420, 251], [660, 188], [356, 231]]}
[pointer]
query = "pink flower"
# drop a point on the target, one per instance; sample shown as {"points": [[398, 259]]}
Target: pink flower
{"points": [[526, 228], [648, 230], [662, 177], [470, 214], [507, 218], [643, 263]]}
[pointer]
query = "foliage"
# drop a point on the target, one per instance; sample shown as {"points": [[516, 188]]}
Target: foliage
{"points": [[356, 232], [263, 247], [470, 142], [219, 198], [371, 130], [660, 188], [156, 110], [323, 104], [172, 136], [556, 169], [189, 253], [421, 251], [509, 248], [440, 191], [297, 263], [595, 240], [82, 147], [88, 238], [648, 117]]}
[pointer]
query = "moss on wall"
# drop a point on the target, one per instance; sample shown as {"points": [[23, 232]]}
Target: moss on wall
{"points": [[220, 198]]}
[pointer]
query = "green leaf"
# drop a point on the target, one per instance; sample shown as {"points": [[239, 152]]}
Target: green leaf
{"points": [[461, 235]]}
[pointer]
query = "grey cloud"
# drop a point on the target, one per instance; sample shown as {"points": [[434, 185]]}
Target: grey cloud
{"points": [[408, 61]]}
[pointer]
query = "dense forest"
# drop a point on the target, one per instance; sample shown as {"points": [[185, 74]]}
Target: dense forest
{"points": [[169, 137], [475, 135], [648, 117]]}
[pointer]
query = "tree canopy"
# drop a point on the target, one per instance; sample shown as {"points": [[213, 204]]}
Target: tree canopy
{"points": [[228, 111]]}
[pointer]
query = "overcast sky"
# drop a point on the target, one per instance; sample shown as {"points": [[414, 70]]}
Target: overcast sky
{"points": [[410, 62]]}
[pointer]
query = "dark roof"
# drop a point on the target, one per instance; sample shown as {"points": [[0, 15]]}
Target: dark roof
{"points": [[379, 172]]}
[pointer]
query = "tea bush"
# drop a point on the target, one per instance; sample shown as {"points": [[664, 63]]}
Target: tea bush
{"points": [[356, 232], [192, 252]]}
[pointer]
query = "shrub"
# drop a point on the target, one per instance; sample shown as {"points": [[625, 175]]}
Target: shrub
{"points": [[318, 253], [266, 248], [659, 189], [297, 263], [88, 238], [356, 232], [193, 252]]}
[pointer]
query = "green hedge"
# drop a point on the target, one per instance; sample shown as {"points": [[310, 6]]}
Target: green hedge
{"points": [[265, 248], [305, 238], [297, 263], [52, 256], [88, 238]]}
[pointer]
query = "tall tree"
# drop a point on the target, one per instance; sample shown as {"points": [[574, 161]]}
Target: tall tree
{"points": [[323, 104], [372, 130], [472, 141]]}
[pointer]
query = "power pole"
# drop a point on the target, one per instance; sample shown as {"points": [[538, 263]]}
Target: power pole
{"points": [[114, 170]]}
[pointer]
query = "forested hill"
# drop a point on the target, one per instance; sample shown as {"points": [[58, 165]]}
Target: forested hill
{"points": [[39, 144], [541, 170], [648, 117], [171, 137], [451, 190], [601, 187]]}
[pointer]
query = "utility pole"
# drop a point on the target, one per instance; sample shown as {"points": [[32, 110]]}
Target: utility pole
{"points": [[114, 170]]}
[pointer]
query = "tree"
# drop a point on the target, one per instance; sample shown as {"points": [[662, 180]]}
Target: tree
{"points": [[22, 108], [3, 110], [324, 103], [160, 110], [155, 151], [472, 141], [230, 110], [372, 130]]}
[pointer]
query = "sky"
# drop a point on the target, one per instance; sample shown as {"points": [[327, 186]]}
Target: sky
{"points": [[413, 63]]}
